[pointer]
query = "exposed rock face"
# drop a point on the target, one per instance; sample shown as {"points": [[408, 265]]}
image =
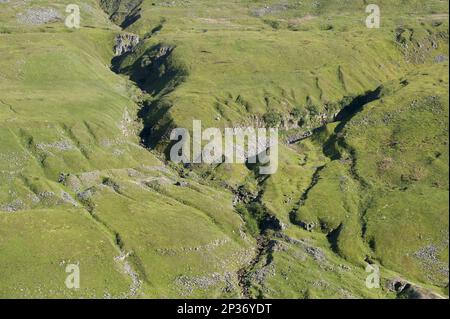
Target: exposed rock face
{"points": [[298, 137], [164, 51], [125, 43]]}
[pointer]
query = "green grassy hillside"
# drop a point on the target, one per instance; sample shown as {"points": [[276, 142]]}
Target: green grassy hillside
{"points": [[85, 179]]}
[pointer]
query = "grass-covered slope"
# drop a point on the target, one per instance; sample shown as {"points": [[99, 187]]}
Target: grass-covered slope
{"points": [[243, 62], [76, 186], [84, 178], [384, 195]]}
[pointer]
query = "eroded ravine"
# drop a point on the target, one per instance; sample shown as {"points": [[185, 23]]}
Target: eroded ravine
{"points": [[269, 227], [332, 149], [123, 19], [150, 112]]}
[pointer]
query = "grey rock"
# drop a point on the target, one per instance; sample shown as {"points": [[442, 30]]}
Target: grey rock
{"points": [[182, 184], [440, 58], [125, 43]]}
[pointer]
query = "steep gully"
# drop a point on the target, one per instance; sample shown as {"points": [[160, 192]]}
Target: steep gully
{"points": [[123, 259], [269, 227]]}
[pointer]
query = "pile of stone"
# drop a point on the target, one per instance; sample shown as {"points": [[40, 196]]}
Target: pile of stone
{"points": [[38, 16], [270, 9]]}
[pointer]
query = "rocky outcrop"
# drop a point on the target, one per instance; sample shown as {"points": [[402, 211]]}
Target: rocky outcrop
{"points": [[298, 137], [406, 290], [125, 43]]}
